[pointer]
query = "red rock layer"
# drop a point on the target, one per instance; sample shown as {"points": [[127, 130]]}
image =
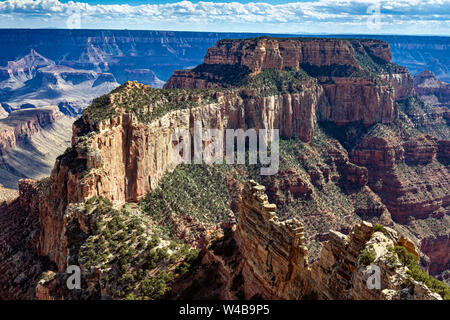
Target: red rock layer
{"points": [[432, 90], [22, 124], [437, 249], [394, 175], [263, 53], [347, 99]]}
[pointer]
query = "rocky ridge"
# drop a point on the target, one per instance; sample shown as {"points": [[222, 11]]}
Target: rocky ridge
{"points": [[276, 264]]}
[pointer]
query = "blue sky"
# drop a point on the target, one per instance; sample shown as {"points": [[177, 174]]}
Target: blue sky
{"points": [[269, 16]]}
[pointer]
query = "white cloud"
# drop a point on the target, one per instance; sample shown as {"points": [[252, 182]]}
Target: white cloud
{"points": [[252, 16]]}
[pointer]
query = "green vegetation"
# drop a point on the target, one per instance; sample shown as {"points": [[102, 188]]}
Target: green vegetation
{"points": [[268, 82], [206, 193], [225, 74], [336, 70], [274, 81], [146, 103], [127, 247], [373, 64], [411, 261], [70, 159], [413, 108], [378, 227], [367, 256], [198, 191]]}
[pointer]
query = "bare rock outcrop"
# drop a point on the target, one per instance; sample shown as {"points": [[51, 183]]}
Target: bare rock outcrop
{"points": [[275, 264], [437, 249], [432, 90], [394, 173], [275, 255]]}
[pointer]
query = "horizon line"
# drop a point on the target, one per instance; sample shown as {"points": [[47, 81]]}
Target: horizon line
{"points": [[236, 32]]}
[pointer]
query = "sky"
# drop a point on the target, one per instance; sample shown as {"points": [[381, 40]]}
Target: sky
{"points": [[414, 17]]}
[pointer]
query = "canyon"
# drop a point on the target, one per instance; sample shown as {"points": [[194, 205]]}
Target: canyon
{"points": [[39, 100], [351, 140], [69, 68]]}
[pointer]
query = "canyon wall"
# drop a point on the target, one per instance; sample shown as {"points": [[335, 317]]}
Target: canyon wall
{"points": [[24, 124], [275, 264], [30, 141], [265, 53], [275, 255], [394, 175], [346, 98], [125, 159], [432, 90]]}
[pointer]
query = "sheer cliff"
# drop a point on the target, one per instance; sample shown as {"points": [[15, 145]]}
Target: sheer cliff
{"points": [[344, 129]]}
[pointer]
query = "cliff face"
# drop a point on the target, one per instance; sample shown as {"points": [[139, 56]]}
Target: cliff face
{"points": [[20, 265], [432, 90], [395, 176], [352, 100], [275, 264], [275, 255], [260, 54], [340, 66], [410, 174], [125, 159]]}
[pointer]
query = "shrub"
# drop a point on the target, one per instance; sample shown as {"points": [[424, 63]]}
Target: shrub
{"points": [[378, 227], [152, 258], [367, 256], [153, 243], [131, 296], [163, 253], [411, 261]]}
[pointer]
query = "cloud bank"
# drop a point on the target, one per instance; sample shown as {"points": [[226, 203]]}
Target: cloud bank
{"points": [[323, 16]]}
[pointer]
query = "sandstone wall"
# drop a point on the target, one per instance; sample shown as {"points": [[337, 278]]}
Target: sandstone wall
{"points": [[345, 99], [262, 53], [125, 159], [395, 176], [274, 252], [275, 264], [356, 99]]}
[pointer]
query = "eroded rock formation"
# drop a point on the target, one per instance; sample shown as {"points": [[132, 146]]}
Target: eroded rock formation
{"points": [[333, 62], [275, 262], [23, 124], [432, 90]]}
